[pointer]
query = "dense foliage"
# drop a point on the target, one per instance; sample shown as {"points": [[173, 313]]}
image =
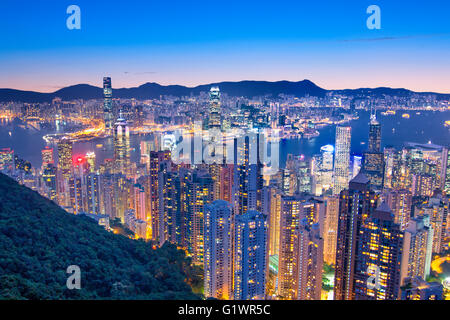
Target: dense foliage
{"points": [[39, 240]]}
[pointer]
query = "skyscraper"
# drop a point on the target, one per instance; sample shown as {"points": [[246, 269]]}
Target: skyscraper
{"points": [[214, 109], [400, 201], [373, 158], [379, 256], [218, 250], [342, 158], [65, 157], [289, 217], [121, 146], [417, 249], [308, 261], [355, 205], [198, 192], [250, 256], [330, 229], [107, 104], [169, 206], [156, 158], [247, 177]]}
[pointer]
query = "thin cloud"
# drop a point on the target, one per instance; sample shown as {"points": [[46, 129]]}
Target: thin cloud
{"points": [[140, 73], [395, 37]]}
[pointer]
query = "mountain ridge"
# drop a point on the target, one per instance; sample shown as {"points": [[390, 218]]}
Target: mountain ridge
{"points": [[244, 88]]}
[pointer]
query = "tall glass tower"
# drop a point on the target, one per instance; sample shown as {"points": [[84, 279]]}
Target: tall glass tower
{"points": [[107, 104], [214, 109], [342, 158], [373, 158], [121, 145], [374, 134]]}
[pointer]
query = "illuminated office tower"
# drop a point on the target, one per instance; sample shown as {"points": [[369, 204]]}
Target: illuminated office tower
{"points": [[400, 202], [342, 158], [250, 256], [107, 104], [93, 193], [50, 182], [121, 146], [247, 177], [325, 169], [373, 158], [65, 157], [90, 159], [303, 171], [330, 229], [169, 207], [374, 133], [197, 193], [356, 166], [156, 158], [355, 205], [47, 157], [378, 261], [214, 109], [218, 278], [327, 157], [308, 261], [417, 249], [6, 159]]}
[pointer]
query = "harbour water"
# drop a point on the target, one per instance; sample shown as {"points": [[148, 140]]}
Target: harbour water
{"points": [[424, 127]]}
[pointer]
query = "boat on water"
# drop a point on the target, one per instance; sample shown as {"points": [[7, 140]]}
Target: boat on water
{"points": [[406, 116], [388, 113]]}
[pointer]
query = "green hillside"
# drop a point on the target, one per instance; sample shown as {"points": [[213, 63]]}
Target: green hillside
{"points": [[39, 240]]}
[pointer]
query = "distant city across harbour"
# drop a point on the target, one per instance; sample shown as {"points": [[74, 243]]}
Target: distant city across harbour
{"points": [[421, 127]]}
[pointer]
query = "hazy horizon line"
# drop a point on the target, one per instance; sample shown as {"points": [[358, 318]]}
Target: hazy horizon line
{"points": [[217, 82]]}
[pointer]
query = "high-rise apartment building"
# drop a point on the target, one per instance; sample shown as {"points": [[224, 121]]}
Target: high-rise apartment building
{"points": [[250, 256], [417, 249], [218, 250], [308, 261], [378, 260], [355, 204]]}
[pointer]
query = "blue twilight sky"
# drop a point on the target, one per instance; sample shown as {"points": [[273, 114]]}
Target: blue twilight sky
{"points": [[195, 42]]}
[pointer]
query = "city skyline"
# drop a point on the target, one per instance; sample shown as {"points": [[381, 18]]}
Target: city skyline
{"points": [[157, 172]]}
